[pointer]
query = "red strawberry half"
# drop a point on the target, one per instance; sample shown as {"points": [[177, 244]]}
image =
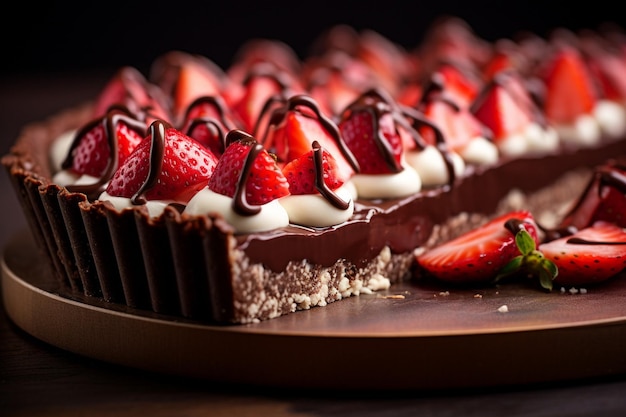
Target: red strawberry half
{"points": [[166, 165], [505, 106], [116, 135], [304, 177], [263, 85], [570, 91], [296, 124], [369, 130], [207, 120], [248, 173], [589, 256], [129, 88], [479, 255], [455, 121]]}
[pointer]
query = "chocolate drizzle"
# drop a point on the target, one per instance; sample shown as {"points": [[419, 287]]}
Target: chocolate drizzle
{"points": [[218, 104], [505, 79], [514, 225], [435, 90], [419, 120], [320, 184], [378, 102], [295, 101], [612, 174], [580, 241], [157, 152], [114, 116], [373, 102], [240, 203]]}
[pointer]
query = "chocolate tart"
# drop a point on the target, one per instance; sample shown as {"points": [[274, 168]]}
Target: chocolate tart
{"points": [[197, 267]]}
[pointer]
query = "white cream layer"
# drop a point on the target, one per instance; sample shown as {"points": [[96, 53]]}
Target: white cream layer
{"points": [[271, 216], [314, 210], [608, 118], [431, 165], [401, 184]]}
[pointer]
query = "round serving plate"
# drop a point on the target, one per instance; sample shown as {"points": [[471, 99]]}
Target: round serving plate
{"points": [[409, 337]]}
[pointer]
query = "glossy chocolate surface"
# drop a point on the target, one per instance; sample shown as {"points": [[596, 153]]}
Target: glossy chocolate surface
{"points": [[405, 224]]}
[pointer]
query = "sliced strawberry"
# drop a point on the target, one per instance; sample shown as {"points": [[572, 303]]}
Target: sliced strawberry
{"points": [[293, 136], [207, 120], [507, 55], [461, 84], [303, 176], [603, 199], [184, 77], [296, 124], [457, 124], [263, 84], [609, 69], [337, 79], [479, 255], [388, 60], [256, 51], [130, 89], [570, 91], [589, 256], [245, 161], [369, 130], [117, 133], [166, 165], [504, 106], [452, 39]]}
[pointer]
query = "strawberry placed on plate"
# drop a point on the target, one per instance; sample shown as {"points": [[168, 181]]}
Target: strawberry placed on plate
{"points": [[480, 255], [589, 256]]}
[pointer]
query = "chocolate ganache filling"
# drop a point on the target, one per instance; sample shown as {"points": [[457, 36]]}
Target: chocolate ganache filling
{"points": [[407, 223]]}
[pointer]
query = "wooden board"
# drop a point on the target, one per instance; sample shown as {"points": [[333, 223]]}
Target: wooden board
{"points": [[410, 337]]}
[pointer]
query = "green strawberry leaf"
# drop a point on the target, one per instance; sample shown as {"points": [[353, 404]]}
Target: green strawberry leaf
{"points": [[510, 268], [530, 261], [545, 278], [524, 241]]}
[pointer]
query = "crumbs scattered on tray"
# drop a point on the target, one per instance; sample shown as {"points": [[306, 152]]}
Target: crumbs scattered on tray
{"points": [[574, 290], [503, 309], [394, 296], [442, 294]]}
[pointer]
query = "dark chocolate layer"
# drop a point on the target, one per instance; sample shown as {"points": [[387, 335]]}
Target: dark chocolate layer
{"points": [[405, 224]]}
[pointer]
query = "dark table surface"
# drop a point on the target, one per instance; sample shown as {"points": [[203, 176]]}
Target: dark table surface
{"points": [[37, 379]]}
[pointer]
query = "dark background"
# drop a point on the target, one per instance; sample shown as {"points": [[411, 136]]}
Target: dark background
{"points": [[52, 37]]}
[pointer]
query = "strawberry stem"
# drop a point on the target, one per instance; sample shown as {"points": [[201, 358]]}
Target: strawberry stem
{"points": [[531, 261]]}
